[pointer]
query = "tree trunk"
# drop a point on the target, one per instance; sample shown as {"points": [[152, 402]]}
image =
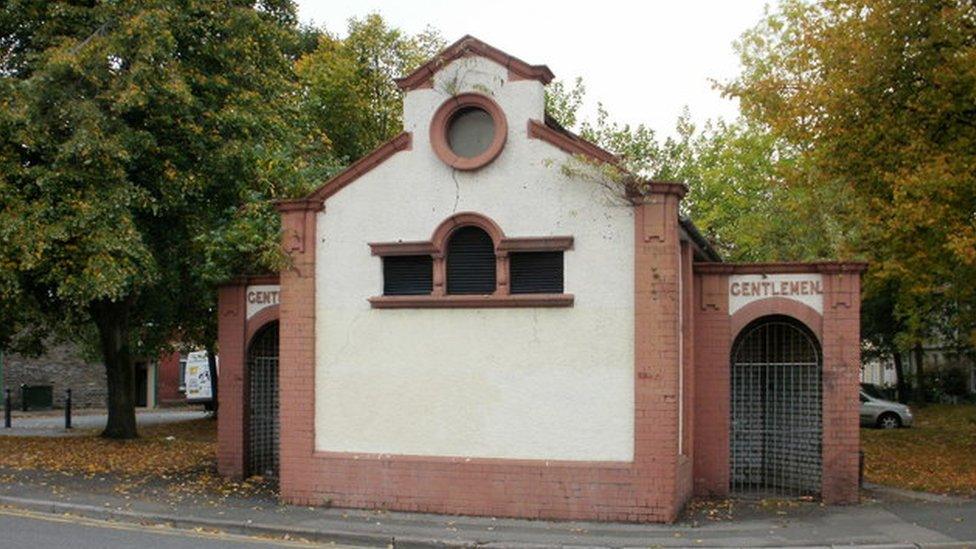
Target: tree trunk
{"points": [[901, 385], [212, 364], [112, 321], [917, 354]]}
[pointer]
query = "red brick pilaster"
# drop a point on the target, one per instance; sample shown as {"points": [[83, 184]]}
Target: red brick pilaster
{"points": [[713, 342], [841, 364], [687, 452], [231, 389], [296, 361], [657, 341]]}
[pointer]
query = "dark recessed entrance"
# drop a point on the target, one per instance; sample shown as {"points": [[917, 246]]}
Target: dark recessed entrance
{"points": [[262, 377], [776, 426]]}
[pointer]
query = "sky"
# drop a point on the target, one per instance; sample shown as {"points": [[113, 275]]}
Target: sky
{"points": [[644, 60]]}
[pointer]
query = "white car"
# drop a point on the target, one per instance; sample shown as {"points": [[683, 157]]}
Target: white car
{"points": [[881, 413]]}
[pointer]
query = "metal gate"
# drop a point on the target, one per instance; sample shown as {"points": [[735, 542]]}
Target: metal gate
{"points": [[776, 410], [262, 368]]}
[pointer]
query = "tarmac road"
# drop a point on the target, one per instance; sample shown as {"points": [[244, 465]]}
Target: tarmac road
{"points": [[28, 530]]}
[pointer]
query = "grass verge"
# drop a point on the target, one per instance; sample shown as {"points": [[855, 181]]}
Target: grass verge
{"points": [[937, 455]]}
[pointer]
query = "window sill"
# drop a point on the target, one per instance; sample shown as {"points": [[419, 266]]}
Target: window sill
{"points": [[470, 301]]}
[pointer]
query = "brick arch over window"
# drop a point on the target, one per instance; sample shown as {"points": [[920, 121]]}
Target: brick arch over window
{"points": [[258, 321], [805, 314], [442, 241], [447, 227]]}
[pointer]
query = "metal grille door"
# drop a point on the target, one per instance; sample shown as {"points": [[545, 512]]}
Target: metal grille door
{"points": [[262, 367], [776, 410]]}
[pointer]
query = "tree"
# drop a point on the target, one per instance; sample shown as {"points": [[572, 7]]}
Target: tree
{"points": [[878, 98], [880, 328], [349, 84], [741, 195], [737, 173], [139, 143], [637, 146]]}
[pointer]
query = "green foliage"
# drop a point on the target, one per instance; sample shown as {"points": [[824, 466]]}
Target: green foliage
{"points": [[876, 97], [879, 323], [946, 383], [563, 103], [742, 197], [144, 127], [348, 84], [636, 146]]}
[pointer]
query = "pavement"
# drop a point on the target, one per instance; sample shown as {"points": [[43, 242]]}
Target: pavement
{"points": [[51, 424], [883, 519]]}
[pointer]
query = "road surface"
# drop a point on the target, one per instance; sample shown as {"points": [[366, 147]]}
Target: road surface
{"points": [[53, 426], [41, 531]]}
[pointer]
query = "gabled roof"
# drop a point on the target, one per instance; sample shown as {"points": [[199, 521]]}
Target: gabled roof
{"points": [[471, 46], [402, 142], [552, 131], [548, 129]]}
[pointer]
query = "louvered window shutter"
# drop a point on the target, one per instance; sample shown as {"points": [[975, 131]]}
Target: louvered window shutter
{"points": [[470, 262], [536, 272], [408, 275]]}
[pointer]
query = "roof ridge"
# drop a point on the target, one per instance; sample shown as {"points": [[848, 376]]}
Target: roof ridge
{"points": [[468, 45]]}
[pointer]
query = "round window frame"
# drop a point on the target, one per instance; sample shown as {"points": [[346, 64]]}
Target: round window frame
{"points": [[442, 118]]}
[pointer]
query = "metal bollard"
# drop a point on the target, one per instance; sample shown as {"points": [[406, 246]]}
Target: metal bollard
{"points": [[7, 408], [67, 408], [860, 469]]}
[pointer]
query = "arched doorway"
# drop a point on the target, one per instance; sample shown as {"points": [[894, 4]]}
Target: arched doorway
{"points": [[262, 378], [776, 427]]}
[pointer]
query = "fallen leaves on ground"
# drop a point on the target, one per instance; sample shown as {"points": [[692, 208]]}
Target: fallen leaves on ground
{"points": [[161, 450], [937, 455], [171, 463], [712, 509]]}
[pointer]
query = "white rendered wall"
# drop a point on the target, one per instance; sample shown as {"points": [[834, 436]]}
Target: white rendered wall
{"points": [[498, 383]]}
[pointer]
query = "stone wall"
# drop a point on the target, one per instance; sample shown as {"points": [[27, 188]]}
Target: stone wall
{"points": [[63, 367]]}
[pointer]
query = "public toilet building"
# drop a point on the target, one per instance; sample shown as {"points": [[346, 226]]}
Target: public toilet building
{"points": [[467, 326]]}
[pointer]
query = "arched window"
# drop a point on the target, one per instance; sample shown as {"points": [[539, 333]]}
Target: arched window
{"points": [[470, 262]]}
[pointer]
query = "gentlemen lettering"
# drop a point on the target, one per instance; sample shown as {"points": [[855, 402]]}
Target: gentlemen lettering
{"points": [[262, 298], [775, 288]]}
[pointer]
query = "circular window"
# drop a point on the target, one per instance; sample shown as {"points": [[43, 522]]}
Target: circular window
{"points": [[468, 131]]}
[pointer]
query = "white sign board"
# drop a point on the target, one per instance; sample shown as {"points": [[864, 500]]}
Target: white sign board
{"points": [[261, 297], [198, 384], [805, 288]]}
